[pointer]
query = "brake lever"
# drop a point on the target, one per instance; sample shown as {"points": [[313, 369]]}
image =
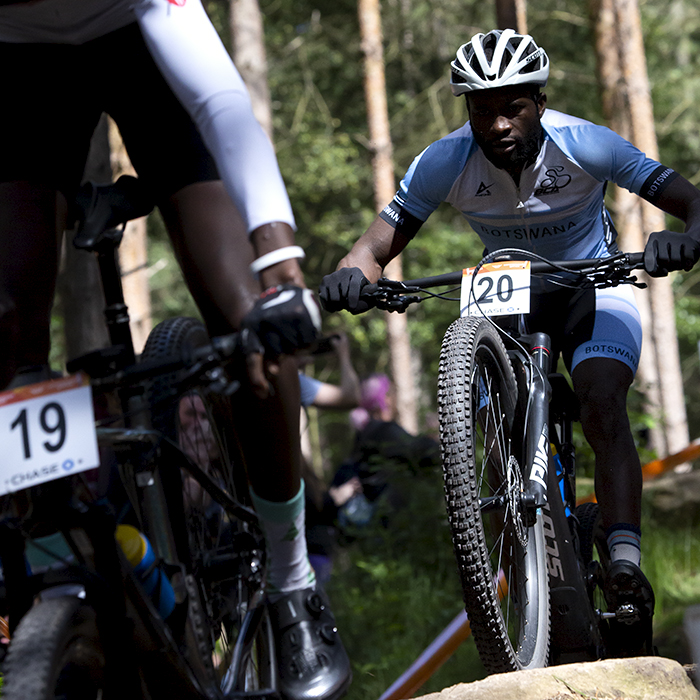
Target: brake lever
{"points": [[398, 303], [600, 280], [614, 272]]}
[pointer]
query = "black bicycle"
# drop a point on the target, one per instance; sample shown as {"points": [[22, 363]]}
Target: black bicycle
{"points": [[531, 562], [85, 623]]}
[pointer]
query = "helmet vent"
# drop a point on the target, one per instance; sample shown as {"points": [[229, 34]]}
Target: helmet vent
{"points": [[497, 59]]}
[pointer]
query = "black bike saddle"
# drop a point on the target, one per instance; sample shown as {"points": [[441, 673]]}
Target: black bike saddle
{"points": [[100, 209]]}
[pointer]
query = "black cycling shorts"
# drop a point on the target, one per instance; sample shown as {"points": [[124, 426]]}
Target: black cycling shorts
{"points": [[53, 96], [589, 323]]}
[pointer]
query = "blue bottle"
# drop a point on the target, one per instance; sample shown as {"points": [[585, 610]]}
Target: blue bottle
{"points": [[358, 511], [139, 554]]}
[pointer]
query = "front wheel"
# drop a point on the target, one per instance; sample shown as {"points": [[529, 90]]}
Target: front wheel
{"points": [[228, 633], [55, 653], [501, 559]]}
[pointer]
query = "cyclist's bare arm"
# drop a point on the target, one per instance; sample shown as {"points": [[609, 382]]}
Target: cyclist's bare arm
{"points": [[377, 247], [269, 237]]}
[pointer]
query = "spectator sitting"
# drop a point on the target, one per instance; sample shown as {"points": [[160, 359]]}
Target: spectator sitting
{"points": [[322, 504], [380, 444]]}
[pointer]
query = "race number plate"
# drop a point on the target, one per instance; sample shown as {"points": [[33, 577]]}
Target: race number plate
{"points": [[47, 431], [499, 289]]}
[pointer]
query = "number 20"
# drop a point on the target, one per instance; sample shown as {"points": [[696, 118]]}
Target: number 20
{"points": [[504, 289], [52, 419]]}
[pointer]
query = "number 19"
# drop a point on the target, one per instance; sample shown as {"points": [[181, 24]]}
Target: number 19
{"points": [[52, 419]]}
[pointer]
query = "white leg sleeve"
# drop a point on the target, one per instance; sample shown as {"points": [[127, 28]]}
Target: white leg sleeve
{"points": [[194, 62]]}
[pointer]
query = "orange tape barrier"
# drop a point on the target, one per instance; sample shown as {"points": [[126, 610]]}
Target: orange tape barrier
{"points": [[445, 644], [439, 650], [658, 466]]}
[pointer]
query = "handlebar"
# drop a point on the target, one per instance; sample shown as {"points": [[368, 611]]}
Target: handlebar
{"points": [[196, 363], [393, 295]]}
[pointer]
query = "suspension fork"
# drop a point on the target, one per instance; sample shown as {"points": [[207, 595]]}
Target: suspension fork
{"points": [[537, 428]]}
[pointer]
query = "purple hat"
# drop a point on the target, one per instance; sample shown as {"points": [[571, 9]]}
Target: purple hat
{"points": [[374, 391]]}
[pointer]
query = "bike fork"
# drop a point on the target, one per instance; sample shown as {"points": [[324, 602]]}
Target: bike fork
{"points": [[537, 445]]}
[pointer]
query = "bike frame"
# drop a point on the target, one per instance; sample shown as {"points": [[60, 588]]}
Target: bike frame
{"points": [[550, 489]]}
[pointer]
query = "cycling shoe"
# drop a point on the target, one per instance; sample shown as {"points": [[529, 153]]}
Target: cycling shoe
{"points": [[630, 596], [312, 661]]}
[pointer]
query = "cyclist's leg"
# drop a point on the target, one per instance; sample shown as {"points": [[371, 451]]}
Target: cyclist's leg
{"points": [[602, 370], [602, 352], [44, 147], [29, 234], [601, 385], [216, 260]]}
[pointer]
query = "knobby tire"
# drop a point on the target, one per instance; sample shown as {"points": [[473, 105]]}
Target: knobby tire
{"points": [[55, 653], [477, 401]]}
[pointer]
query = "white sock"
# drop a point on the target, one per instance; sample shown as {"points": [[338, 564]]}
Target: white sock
{"points": [[624, 542], [283, 524]]}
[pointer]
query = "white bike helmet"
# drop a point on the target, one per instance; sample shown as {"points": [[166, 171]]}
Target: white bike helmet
{"points": [[501, 57]]}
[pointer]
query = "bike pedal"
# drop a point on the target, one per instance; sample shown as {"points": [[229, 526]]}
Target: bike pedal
{"points": [[627, 614]]}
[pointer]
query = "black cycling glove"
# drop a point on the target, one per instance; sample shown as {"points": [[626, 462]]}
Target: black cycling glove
{"points": [[285, 319], [667, 250], [341, 290]]}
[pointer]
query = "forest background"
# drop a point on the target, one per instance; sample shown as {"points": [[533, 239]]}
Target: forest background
{"points": [[395, 590]]}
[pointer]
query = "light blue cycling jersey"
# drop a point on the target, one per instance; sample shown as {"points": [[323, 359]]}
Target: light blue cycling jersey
{"points": [[557, 210]]}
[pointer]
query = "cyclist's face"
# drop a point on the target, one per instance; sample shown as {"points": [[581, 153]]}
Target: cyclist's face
{"points": [[506, 125]]}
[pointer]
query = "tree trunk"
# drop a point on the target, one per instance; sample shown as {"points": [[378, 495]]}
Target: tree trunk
{"points": [[250, 57], [133, 255], [384, 190], [80, 297], [512, 14], [626, 97]]}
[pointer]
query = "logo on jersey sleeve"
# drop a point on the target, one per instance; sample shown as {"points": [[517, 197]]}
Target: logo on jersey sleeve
{"points": [[484, 190], [555, 179]]}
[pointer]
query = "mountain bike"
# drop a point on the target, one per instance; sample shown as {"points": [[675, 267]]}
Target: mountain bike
{"points": [[531, 563], [83, 623]]}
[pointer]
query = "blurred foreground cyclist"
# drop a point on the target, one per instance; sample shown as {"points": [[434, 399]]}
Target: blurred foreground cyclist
{"points": [[159, 69]]}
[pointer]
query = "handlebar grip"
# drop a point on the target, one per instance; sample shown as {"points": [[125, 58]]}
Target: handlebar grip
{"points": [[368, 297], [368, 291], [636, 260]]}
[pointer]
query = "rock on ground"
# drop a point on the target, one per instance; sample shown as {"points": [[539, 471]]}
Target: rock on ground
{"points": [[643, 678]]}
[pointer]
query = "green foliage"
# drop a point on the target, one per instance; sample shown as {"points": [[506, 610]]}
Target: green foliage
{"points": [[395, 588]]}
